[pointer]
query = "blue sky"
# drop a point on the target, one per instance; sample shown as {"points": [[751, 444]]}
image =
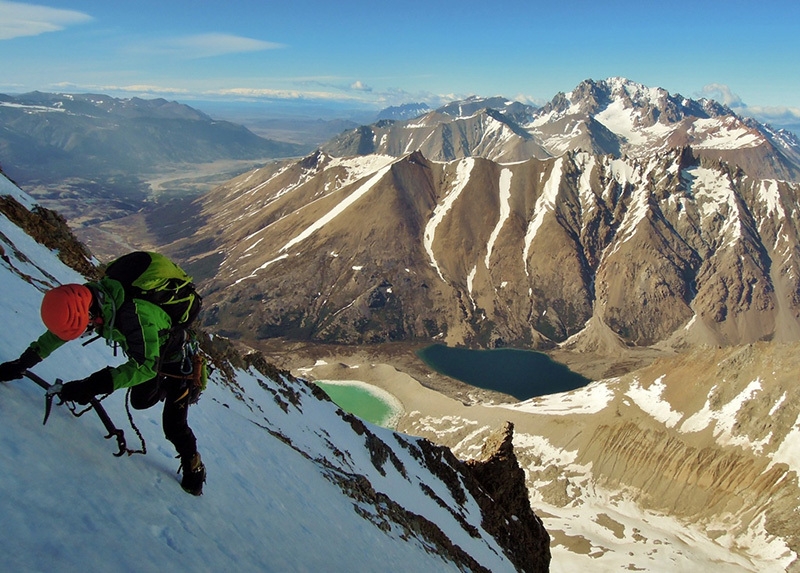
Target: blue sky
{"points": [[375, 54]]}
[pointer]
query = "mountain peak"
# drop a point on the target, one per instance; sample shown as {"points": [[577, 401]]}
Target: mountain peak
{"points": [[405, 111], [615, 116]]}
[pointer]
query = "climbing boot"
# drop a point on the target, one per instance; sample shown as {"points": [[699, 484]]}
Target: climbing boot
{"points": [[194, 474]]}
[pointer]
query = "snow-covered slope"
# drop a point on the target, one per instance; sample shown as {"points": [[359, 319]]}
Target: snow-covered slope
{"points": [[293, 483]]}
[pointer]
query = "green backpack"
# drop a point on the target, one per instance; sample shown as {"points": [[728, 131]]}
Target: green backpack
{"points": [[156, 279]]}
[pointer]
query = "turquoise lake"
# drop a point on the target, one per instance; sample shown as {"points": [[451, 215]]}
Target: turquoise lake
{"points": [[522, 374], [368, 403]]}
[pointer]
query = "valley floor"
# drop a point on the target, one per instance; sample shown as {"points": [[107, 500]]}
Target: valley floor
{"points": [[603, 530]]}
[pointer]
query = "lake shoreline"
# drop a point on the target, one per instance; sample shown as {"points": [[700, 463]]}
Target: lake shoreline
{"points": [[522, 374], [397, 369], [394, 408], [296, 356]]}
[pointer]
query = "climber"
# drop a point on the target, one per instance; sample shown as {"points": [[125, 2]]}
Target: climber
{"points": [[154, 343]]}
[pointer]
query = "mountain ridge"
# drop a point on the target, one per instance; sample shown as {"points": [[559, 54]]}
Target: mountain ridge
{"points": [[508, 254], [44, 132], [701, 249], [535, 252], [614, 116], [94, 158]]}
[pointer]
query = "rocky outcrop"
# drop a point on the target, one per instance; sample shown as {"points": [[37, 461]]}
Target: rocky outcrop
{"points": [[680, 479], [51, 230], [507, 510]]}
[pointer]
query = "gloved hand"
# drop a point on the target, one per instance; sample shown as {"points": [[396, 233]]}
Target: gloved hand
{"points": [[13, 369], [82, 391]]}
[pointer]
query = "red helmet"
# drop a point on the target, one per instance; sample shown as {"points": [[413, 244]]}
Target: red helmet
{"points": [[65, 310]]}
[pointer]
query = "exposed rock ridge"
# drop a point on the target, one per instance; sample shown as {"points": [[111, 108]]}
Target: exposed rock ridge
{"points": [[51, 230], [508, 510], [496, 482]]}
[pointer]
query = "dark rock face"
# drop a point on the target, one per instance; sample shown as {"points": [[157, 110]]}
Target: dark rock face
{"points": [[496, 481], [507, 510], [51, 230]]}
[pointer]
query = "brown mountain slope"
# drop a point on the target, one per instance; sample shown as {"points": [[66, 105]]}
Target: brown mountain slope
{"points": [[377, 248]]}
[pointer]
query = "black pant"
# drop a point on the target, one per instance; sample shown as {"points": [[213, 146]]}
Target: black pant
{"points": [[176, 409]]}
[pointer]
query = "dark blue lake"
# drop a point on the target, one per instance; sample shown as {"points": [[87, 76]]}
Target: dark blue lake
{"points": [[522, 374]]}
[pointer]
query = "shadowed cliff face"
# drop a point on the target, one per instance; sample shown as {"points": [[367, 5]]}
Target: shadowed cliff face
{"points": [[50, 229], [507, 509]]}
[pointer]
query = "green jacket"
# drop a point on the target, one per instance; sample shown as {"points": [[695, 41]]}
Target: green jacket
{"points": [[140, 328]]}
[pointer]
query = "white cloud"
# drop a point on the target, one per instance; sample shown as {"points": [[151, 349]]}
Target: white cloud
{"points": [[18, 19], [288, 94], [139, 89], [319, 89], [775, 114], [530, 100], [722, 94], [206, 46], [360, 86], [145, 89]]}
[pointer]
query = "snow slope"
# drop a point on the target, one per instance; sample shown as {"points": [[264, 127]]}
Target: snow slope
{"points": [[279, 460]]}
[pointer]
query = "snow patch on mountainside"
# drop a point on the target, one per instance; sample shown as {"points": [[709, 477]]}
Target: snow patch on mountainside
{"points": [[788, 451], [590, 399], [769, 193], [716, 198], [587, 164], [338, 209], [463, 170], [545, 204], [505, 212], [358, 167], [650, 401], [724, 419], [719, 133], [625, 121], [8, 188]]}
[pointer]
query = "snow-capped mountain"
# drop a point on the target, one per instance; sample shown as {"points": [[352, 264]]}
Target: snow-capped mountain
{"points": [[616, 213], [617, 116], [294, 484], [614, 116], [407, 111], [460, 129]]}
